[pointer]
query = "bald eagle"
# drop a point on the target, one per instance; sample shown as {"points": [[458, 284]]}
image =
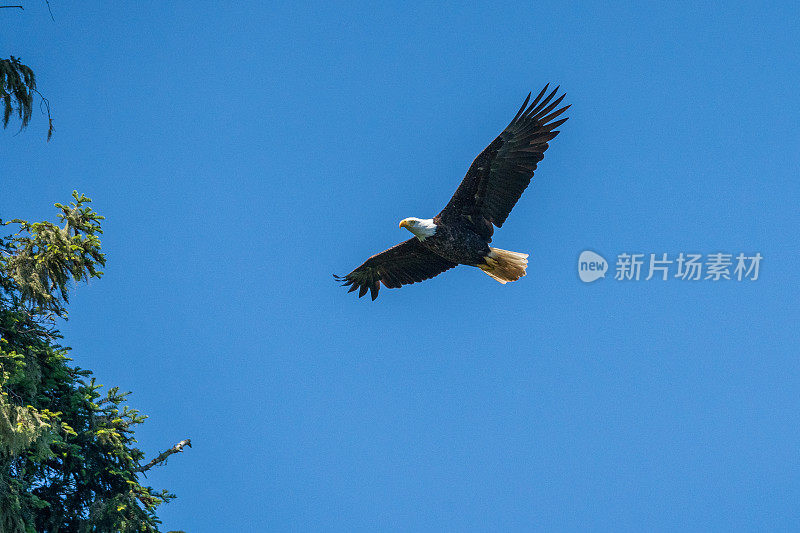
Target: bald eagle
{"points": [[461, 233]]}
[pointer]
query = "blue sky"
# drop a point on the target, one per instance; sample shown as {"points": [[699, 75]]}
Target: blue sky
{"points": [[244, 153]]}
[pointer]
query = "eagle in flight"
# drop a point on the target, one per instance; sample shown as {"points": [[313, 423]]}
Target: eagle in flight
{"points": [[461, 233]]}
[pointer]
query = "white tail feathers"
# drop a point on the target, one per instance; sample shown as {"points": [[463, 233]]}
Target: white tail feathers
{"points": [[504, 266]]}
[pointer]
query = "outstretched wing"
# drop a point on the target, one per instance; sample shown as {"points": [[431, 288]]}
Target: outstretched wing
{"points": [[408, 262], [500, 174]]}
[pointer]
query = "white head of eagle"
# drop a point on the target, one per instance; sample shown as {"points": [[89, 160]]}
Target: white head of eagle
{"points": [[421, 227]]}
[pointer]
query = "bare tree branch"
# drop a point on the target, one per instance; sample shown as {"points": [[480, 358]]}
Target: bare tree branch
{"points": [[165, 454], [46, 103], [4, 7]]}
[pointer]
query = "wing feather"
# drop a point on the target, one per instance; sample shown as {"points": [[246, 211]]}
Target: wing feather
{"points": [[502, 172], [403, 264]]}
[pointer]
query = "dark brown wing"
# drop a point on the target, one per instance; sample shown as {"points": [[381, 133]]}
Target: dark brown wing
{"points": [[500, 174], [406, 263]]}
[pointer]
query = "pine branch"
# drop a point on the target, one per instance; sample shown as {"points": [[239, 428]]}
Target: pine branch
{"points": [[165, 454]]}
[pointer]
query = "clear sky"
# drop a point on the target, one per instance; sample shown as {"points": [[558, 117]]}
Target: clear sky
{"points": [[243, 152]]}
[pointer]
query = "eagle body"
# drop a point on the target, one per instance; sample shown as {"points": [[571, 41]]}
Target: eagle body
{"points": [[460, 234], [458, 243]]}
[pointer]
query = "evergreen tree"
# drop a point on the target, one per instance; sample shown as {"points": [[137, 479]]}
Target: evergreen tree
{"points": [[68, 457], [17, 90]]}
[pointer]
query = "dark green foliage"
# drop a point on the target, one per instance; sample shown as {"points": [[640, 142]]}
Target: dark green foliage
{"points": [[17, 89], [17, 83], [68, 460]]}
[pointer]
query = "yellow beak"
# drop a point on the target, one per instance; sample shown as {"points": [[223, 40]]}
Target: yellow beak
{"points": [[403, 223]]}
